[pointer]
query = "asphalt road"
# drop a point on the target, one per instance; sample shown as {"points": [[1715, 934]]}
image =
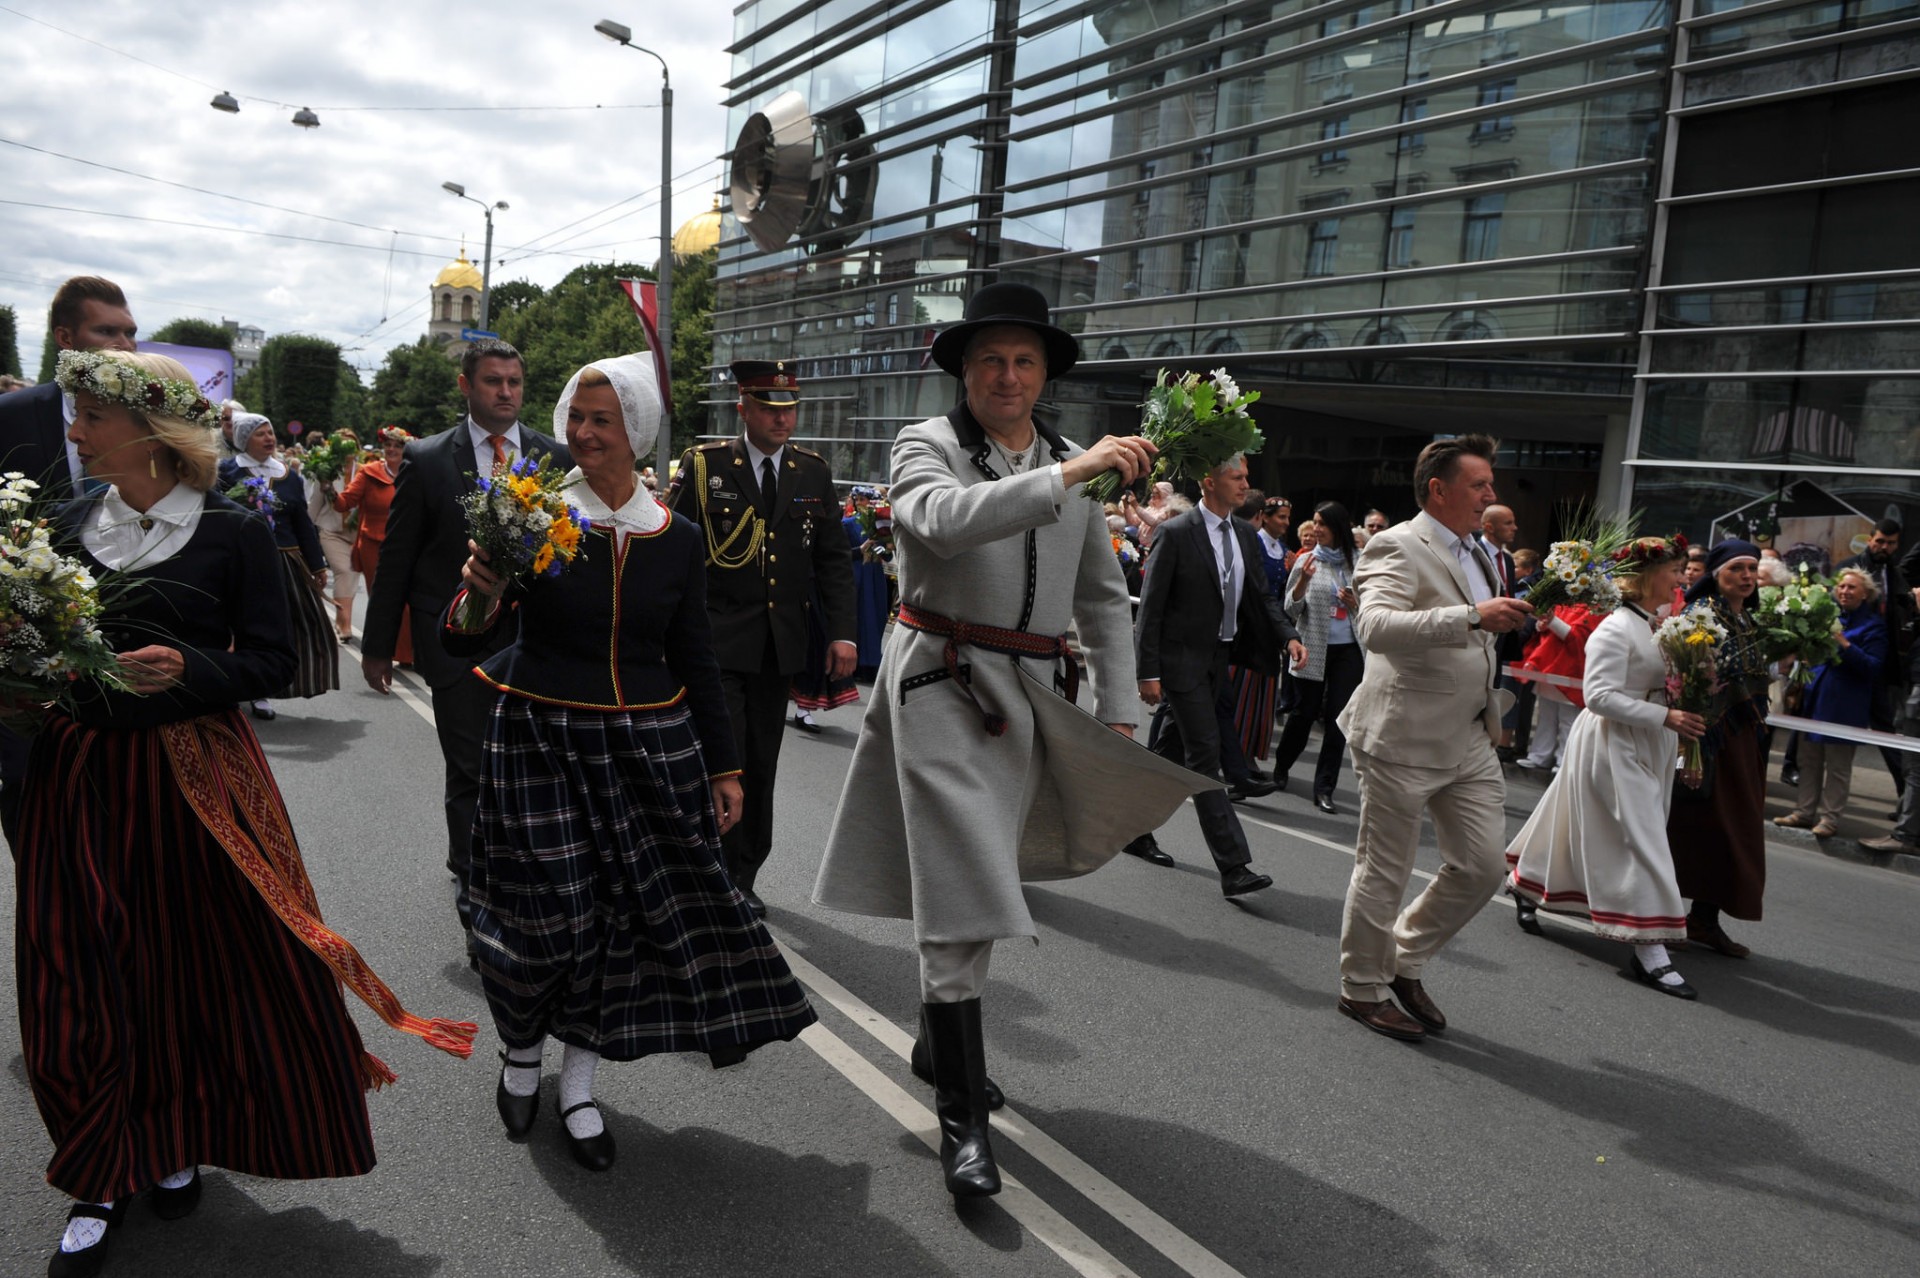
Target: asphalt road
{"points": [[1184, 1100]]}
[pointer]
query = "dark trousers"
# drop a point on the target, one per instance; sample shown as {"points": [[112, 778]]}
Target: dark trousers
{"points": [[1321, 701], [460, 714], [1881, 718], [757, 707], [14, 749], [1188, 732]]}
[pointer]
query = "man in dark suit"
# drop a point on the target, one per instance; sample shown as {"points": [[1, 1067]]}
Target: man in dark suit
{"points": [[1498, 531], [1184, 636], [420, 565], [88, 314], [758, 497]]}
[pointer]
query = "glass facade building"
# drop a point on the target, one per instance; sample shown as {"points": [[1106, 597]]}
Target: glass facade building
{"points": [[1394, 219]]}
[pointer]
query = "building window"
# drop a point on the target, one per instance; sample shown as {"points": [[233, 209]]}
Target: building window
{"points": [[1412, 110], [1332, 131], [1480, 237], [1146, 175], [1495, 126], [1400, 238], [466, 310], [446, 308], [1323, 246]]}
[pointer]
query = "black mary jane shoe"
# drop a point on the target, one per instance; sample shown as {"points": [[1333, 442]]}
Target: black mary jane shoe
{"points": [[264, 712], [177, 1204], [595, 1153], [1526, 914], [1641, 974], [87, 1261], [805, 725], [517, 1112]]}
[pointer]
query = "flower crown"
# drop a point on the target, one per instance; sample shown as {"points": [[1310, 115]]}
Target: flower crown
{"points": [[392, 435], [1645, 552], [105, 376]]}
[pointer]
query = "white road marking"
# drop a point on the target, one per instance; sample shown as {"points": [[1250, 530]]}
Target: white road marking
{"points": [[1152, 1228]]}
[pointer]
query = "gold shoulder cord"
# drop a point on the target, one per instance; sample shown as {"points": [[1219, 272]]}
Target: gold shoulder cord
{"points": [[752, 525]]}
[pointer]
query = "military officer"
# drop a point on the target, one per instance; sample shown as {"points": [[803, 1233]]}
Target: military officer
{"points": [[775, 549]]}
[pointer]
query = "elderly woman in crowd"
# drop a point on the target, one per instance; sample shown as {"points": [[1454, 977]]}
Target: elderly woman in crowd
{"points": [[1319, 597], [173, 1012], [336, 540], [1714, 828], [602, 916], [260, 481], [370, 491], [1841, 693], [1596, 845]]}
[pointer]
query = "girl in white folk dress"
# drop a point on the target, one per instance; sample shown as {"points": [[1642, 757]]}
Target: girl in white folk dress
{"points": [[1597, 844]]}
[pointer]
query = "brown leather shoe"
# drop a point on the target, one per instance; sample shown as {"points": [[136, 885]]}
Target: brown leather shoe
{"points": [[1716, 938], [1888, 843], [1794, 821], [1383, 1018], [1418, 1005]]}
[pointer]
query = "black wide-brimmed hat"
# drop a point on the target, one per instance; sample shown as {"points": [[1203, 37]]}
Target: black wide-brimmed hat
{"points": [[1020, 305]]}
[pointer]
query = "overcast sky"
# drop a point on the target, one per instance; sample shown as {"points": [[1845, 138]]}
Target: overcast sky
{"points": [[380, 169]]}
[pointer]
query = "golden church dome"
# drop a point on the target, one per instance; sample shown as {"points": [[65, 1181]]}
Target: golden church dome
{"points": [[459, 273], [698, 233]]}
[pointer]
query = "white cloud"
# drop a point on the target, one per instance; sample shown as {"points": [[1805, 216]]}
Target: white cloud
{"points": [[381, 169]]}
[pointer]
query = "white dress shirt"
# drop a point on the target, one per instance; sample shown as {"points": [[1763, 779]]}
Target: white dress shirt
{"points": [[1229, 568], [113, 534], [483, 446]]}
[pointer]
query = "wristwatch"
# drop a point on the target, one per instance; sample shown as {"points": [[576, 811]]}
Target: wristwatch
{"points": [[1473, 622]]}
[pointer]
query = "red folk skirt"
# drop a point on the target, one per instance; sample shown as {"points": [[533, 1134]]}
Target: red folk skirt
{"points": [[169, 1017]]}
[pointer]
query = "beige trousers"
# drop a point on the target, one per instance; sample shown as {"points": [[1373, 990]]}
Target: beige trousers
{"points": [[1379, 940], [953, 971], [1826, 780]]}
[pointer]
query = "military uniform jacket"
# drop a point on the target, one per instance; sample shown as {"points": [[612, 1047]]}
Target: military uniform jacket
{"points": [[753, 587]]}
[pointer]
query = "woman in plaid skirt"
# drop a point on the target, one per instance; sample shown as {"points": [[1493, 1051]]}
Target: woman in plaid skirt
{"points": [[602, 916]]}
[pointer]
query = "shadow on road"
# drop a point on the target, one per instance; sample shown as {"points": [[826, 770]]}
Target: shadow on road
{"points": [[1254, 1212], [1667, 1122], [796, 1215], [294, 739]]}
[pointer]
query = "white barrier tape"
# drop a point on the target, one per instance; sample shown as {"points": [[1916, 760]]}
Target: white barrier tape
{"points": [[1792, 723]]}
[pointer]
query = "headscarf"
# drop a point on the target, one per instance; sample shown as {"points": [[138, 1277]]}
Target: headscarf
{"points": [[242, 429], [1719, 557], [638, 389]]}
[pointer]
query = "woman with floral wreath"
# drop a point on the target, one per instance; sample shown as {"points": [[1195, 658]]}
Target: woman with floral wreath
{"points": [[602, 915], [179, 994], [1596, 844], [269, 486]]}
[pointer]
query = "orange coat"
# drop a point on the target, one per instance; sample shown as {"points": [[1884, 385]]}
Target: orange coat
{"points": [[371, 489]]}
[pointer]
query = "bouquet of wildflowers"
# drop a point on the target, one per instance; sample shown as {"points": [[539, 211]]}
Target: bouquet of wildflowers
{"points": [[255, 492], [1196, 422], [1580, 569], [1126, 552], [327, 460], [1688, 641], [521, 518], [1799, 620], [876, 525], [49, 609]]}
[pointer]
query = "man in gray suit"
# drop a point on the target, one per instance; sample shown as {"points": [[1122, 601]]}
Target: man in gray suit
{"points": [[1186, 635], [1422, 727]]}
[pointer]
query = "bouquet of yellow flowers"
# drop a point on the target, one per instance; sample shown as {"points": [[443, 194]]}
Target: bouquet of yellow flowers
{"points": [[521, 518], [49, 608], [1687, 640]]}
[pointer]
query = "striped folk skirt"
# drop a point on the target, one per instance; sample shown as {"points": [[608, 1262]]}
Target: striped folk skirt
{"points": [[168, 1017], [314, 643], [601, 913], [1253, 696]]}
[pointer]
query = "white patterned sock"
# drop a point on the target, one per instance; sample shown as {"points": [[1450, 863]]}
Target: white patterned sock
{"points": [[521, 1073], [179, 1180], [577, 1066], [84, 1232], [1653, 958]]}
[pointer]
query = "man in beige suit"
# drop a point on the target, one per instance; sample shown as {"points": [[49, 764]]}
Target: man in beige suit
{"points": [[1422, 727]]}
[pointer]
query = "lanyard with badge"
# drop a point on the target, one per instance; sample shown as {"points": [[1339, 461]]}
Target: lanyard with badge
{"points": [[1340, 583]]}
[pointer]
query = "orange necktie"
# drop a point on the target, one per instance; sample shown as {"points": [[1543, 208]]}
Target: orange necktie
{"points": [[499, 450]]}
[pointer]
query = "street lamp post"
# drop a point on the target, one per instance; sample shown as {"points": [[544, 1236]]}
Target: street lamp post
{"points": [[486, 259], [620, 34]]}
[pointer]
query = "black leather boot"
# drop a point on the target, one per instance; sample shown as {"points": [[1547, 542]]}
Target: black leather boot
{"points": [[922, 1062], [960, 1097]]}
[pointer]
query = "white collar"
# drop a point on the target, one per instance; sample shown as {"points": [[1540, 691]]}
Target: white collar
{"points": [[642, 512], [755, 457], [478, 437], [177, 507], [272, 467], [1447, 537], [1213, 521]]}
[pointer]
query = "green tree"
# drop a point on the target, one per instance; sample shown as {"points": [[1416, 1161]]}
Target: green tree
{"points": [[693, 297], [49, 357], [586, 316], [193, 332], [350, 406], [299, 381], [512, 297], [417, 388], [9, 343]]}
